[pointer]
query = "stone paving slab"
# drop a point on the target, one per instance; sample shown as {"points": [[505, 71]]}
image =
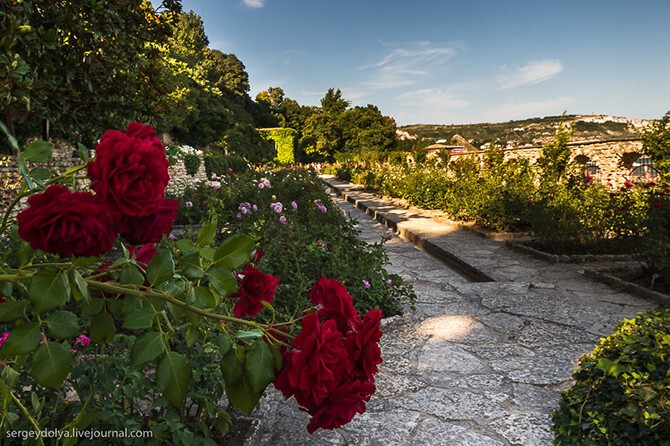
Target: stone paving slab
{"points": [[477, 363]]}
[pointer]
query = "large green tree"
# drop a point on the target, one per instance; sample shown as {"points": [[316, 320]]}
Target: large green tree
{"points": [[81, 66], [337, 128]]}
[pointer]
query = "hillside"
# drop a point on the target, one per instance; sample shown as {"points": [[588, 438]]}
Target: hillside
{"points": [[532, 132]]}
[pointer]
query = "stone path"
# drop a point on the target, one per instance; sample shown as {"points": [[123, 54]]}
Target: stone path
{"points": [[477, 363]]}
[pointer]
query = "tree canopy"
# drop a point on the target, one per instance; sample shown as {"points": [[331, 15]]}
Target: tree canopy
{"points": [[84, 67]]}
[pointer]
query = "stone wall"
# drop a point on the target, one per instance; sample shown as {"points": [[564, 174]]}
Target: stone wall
{"points": [[64, 156], [180, 179], [612, 160]]}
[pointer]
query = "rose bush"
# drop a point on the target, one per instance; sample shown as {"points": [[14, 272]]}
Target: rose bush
{"points": [[107, 324]]}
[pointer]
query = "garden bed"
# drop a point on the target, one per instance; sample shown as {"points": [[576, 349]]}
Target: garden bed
{"points": [[524, 247], [633, 280]]}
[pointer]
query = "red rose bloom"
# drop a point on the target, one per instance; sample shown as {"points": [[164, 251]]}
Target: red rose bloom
{"points": [[342, 404], [333, 301], [255, 288], [62, 222], [130, 171], [316, 363], [143, 254], [363, 345], [150, 229]]}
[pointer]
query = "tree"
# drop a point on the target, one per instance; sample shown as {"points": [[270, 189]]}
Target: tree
{"points": [[365, 128], [81, 66], [227, 73], [245, 141], [656, 139], [555, 157], [321, 136], [210, 88], [333, 103]]}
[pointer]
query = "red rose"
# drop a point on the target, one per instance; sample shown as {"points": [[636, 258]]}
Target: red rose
{"points": [[146, 132], [144, 254], [130, 171], [333, 301], [255, 288], [62, 222], [363, 345], [315, 364], [342, 404], [150, 229]]}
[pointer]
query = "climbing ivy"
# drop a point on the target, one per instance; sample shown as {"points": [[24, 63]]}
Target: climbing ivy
{"points": [[284, 138]]}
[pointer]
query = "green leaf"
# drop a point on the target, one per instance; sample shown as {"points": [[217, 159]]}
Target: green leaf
{"points": [[140, 319], [38, 152], [63, 324], [146, 348], [39, 174], [173, 376], [160, 268], [6, 289], [192, 266], [9, 376], [207, 253], [204, 298], [222, 280], [102, 328], [23, 339], [10, 311], [249, 335], [207, 234], [95, 306], [12, 140], [48, 290], [239, 390], [23, 252], [79, 286], [82, 151], [234, 251], [259, 366], [186, 246], [51, 364], [131, 275]]}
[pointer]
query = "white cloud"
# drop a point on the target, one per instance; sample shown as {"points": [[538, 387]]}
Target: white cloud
{"points": [[405, 63], [532, 73], [430, 105], [523, 110], [254, 3]]}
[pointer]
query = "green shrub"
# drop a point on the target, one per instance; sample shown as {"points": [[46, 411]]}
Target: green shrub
{"points": [[622, 391], [215, 164], [192, 164], [301, 242]]}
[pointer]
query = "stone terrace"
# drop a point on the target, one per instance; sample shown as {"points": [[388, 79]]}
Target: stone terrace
{"points": [[479, 363]]}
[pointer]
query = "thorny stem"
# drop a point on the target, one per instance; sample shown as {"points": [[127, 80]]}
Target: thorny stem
{"points": [[26, 414], [111, 287]]}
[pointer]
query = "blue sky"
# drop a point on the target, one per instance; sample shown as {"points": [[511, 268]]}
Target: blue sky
{"points": [[454, 62]]}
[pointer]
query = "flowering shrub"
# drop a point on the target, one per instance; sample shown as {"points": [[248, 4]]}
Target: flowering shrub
{"points": [[303, 236], [107, 324], [564, 209]]}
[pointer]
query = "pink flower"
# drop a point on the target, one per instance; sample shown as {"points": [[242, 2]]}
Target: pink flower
{"points": [[282, 220], [4, 337], [82, 340], [366, 284]]}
